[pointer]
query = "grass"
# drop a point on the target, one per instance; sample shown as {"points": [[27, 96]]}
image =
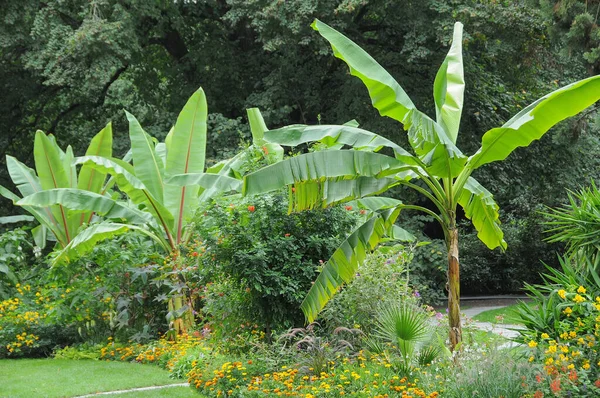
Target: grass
{"points": [[171, 392], [505, 315], [67, 378]]}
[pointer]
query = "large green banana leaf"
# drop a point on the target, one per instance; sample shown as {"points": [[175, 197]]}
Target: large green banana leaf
{"points": [[133, 187], [344, 262], [319, 166], [149, 169], [428, 139], [186, 152], [83, 201], [535, 120], [306, 195], [86, 240], [334, 134], [218, 182], [388, 97], [89, 178], [482, 210], [449, 87], [15, 219], [50, 166]]}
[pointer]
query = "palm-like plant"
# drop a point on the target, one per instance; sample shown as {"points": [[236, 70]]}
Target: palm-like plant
{"points": [[408, 328], [577, 223], [444, 172]]}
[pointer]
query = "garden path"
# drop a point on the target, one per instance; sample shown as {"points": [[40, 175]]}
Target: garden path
{"points": [[134, 390]]}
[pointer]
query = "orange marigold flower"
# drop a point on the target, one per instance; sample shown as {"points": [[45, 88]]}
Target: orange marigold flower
{"points": [[251, 208]]}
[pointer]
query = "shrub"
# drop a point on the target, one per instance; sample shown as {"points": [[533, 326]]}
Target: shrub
{"points": [[381, 280], [270, 257], [26, 329], [18, 260], [562, 326]]}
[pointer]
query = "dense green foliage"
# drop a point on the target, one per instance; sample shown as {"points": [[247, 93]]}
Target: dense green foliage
{"points": [[70, 67], [269, 258]]}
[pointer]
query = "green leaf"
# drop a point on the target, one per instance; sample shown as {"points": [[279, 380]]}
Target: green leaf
{"points": [[322, 193], [40, 235], [70, 168], [91, 179], [52, 174], [149, 169], [48, 162], [23, 177], [332, 134], [133, 187], [15, 219], [401, 234], [86, 240], [186, 154], [428, 139], [375, 203], [535, 120], [433, 146], [344, 262], [221, 183], [319, 166], [449, 87], [387, 96], [80, 200], [273, 151], [482, 210]]}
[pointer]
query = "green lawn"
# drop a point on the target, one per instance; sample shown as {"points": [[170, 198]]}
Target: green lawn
{"points": [[508, 314], [67, 378], [171, 392]]}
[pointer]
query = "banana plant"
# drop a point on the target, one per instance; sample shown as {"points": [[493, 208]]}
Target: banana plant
{"points": [[166, 183], [54, 174], [436, 168]]}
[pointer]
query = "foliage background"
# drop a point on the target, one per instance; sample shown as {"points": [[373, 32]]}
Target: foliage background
{"points": [[68, 67]]}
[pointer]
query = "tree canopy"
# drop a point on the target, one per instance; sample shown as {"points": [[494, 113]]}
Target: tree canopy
{"points": [[70, 67]]}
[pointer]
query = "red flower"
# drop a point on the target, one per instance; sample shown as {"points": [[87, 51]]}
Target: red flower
{"points": [[538, 394], [265, 150], [287, 235], [538, 378], [293, 189], [573, 375], [597, 383], [363, 211], [251, 208], [348, 208], [194, 254], [555, 385]]}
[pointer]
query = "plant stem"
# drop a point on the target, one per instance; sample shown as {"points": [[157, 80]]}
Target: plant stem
{"points": [[453, 288]]}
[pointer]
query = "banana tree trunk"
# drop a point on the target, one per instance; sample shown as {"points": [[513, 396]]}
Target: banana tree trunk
{"points": [[184, 322], [454, 289]]}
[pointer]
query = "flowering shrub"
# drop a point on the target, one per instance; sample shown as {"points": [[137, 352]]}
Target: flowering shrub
{"points": [[569, 353], [268, 258], [26, 328], [371, 376]]}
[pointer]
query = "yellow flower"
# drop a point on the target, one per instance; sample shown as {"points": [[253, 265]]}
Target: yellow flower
{"points": [[533, 344], [578, 299], [562, 293], [568, 311], [545, 335], [581, 290]]}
